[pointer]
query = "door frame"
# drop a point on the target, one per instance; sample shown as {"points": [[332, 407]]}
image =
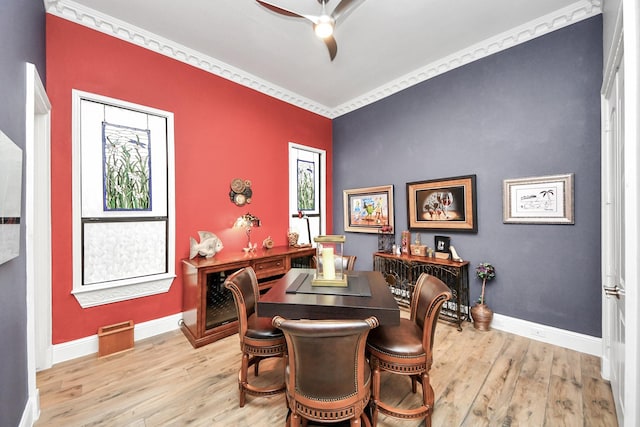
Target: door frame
{"points": [[627, 39], [38, 231], [631, 30]]}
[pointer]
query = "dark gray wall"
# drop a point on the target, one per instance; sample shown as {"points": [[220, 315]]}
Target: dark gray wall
{"points": [[22, 36], [531, 110]]}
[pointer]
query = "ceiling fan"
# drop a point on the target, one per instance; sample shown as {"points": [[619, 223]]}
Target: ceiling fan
{"points": [[323, 24]]}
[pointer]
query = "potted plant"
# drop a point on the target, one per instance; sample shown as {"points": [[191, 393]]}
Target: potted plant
{"points": [[481, 313]]}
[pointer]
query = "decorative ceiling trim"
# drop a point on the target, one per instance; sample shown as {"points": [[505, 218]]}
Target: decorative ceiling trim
{"points": [[98, 21], [91, 18], [578, 11]]}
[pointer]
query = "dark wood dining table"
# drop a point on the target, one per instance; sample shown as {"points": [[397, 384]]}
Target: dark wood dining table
{"points": [[367, 294]]}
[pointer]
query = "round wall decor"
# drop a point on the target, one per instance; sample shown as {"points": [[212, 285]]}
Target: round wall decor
{"points": [[241, 192]]}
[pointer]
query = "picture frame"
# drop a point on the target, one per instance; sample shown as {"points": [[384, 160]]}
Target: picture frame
{"points": [[445, 204], [538, 200], [441, 243], [367, 210]]}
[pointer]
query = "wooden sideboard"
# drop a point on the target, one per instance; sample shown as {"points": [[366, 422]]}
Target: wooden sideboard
{"points": [[404, 270], [209, 312]]}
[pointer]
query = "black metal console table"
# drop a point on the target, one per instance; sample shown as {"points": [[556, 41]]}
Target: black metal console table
{"points": [[402, 271]]}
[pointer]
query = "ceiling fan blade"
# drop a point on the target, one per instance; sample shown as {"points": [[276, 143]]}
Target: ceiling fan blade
{"points": [[332, 46], [287, 12], [344, 8]]}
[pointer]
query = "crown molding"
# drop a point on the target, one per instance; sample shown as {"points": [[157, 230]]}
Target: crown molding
{"points": [[106, 24], [576, 12], [91, 18]]}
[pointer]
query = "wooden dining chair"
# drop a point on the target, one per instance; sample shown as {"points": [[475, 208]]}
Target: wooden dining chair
{"points": [[328, 378], [348, 261], [407, 349], [259, 339]]}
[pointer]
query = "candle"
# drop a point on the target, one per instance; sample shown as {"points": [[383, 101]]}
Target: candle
{"points": [[328, 264]]}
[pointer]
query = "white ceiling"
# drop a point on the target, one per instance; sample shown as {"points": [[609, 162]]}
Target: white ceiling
{"points": [[383, 46]]}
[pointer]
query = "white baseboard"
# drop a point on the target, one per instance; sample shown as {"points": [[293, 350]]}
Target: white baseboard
{"points": [[89, 345], [548, 334], [31, 411], [560, 337]]}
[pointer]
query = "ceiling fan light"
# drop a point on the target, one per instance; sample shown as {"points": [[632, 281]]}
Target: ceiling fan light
{"points": [[324, 27]]}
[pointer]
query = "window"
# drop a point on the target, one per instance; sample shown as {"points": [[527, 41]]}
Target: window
{"points": [[123, 200], [307, 192]]}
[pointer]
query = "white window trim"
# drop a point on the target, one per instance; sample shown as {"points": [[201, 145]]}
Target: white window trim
{"points": [[120, 290], [293, 179]]}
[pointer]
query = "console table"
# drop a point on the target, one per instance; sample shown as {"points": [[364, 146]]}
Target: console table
{"points": [[209, 312], [402, 271]]}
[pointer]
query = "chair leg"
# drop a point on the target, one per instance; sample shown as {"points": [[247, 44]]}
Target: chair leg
{"points": [[294, 420], [428, 397], [375, 389], [256, 365], [242, 378]]}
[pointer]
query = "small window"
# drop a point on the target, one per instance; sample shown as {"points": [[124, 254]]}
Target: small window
{"points": [[307, 192], [123, 200]]}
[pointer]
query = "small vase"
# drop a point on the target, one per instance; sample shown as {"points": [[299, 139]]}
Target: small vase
{"points": [[482, 316]]}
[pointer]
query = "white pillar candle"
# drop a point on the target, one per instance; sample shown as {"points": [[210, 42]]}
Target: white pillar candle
{"points": [[328, 264]]}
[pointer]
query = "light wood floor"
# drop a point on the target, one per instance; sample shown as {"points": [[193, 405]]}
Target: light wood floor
{"points": [[480, 379]]}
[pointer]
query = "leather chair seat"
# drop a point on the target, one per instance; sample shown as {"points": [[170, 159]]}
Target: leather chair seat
{"points": [[407, 349], [261, 328], [328, 378], [259, 339], [404, 340]]}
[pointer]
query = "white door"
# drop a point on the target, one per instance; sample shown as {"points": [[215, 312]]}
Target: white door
{"points": [[613, 235]]}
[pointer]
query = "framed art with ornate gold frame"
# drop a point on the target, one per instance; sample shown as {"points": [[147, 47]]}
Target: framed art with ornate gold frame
{"points": [[447, 204], [367, 210]]}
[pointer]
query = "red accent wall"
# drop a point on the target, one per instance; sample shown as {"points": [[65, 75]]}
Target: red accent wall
{"points": [[222, 131]]}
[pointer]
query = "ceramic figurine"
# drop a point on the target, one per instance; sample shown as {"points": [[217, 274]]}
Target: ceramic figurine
{"points": [[267, 243], [209, 245]]}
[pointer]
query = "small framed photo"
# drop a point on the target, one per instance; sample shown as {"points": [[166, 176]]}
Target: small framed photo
{"points": [[447, 204], [441, 243], [538, 200], [367, 210]]}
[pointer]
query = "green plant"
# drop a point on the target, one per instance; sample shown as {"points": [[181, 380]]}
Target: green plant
{"points": [[485, 271]]}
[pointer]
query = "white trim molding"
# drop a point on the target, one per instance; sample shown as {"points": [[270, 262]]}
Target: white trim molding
{"points": [[72, 11], [89, 345], [548, 334]]}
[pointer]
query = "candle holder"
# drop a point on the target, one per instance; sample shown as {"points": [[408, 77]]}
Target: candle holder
{"points": [[329, 264]]}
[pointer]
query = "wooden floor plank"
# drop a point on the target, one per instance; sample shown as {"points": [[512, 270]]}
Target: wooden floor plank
{"points": [[479, 378], [564, 403], [488, 408]]}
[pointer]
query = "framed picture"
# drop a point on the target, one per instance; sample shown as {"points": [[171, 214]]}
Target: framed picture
{"points": [[441, 243], [367, 210], [538, 200], [447, 204]]}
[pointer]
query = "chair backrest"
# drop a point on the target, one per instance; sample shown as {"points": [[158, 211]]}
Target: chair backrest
{"points": [[428, 296], [348, 262], [327, 359], [243, 284]]}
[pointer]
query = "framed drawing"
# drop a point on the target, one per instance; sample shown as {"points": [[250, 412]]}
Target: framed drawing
{"points": [[538, 200], [447, 204], [367, 210]]}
